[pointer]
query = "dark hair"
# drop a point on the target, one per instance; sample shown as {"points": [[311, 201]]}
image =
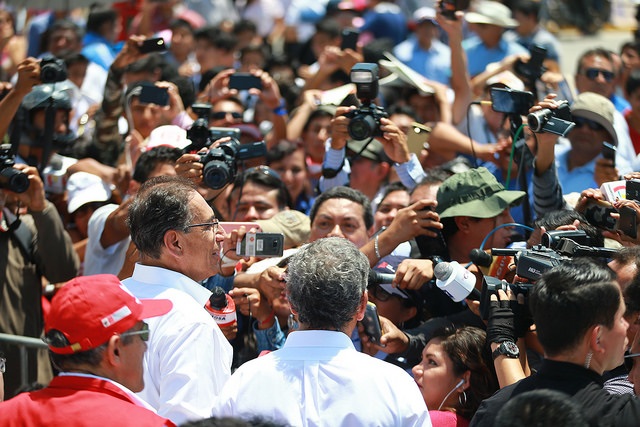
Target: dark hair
{"points": [[66, 362], [281, 150], [633, 82], [542, 407], [149, 63], [599, 51], [255, 421], [328, 26], [528, 8], [434, 176], [466, 349], [345, 193], [98, 16], [149, 160], [403, 109], [554, 219], [74, 58], [217, 38], [256, 48], [162, 204], [315, 115], [393, 187], [326, 281], [245, 25], [571, 298], [181, 23], [65, 24], [265, 177], [186, 89]]}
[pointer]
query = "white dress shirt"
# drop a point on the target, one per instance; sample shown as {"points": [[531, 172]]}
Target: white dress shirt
{"points": [[188, 359], [99, 260], [319, 379]]}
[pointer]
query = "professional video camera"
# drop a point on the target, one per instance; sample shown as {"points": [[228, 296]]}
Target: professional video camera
{"points": [[365, 120], [533, 69], [11, 178], [52, 70], [220, 163]]}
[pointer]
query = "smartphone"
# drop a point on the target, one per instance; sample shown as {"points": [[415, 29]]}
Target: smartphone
{"points": [[598, 213], [261, 245], [371, 323], [627, 221], [511, 101], [216, 133], [448, 9], [152, 94], [349, 38], [152, 45], [609, 152], [633, 189], [244, 81], [417, 136]]}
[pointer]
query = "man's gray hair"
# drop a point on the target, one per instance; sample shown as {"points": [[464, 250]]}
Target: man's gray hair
{"points": [[326, 281]]}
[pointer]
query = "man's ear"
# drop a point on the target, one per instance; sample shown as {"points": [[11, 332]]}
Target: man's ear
{"points": [[463, 223], [383, 170], [173, 242], [363, 306], [112, 353]]}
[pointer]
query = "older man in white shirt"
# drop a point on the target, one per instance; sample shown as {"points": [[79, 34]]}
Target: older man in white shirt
{"points": [[318, 378], [189, 359]]}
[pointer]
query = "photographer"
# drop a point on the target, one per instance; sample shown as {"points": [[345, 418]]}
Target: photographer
{"points": [[578, 311]]}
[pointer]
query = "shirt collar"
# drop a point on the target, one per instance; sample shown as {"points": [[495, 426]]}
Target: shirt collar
{"points": [[162, 277]]}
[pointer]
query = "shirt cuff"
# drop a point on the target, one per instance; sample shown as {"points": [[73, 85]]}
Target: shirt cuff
{"points": [[182, 120], [411, 172]]}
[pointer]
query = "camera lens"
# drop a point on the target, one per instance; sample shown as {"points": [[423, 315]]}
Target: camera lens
{"points": [[14, 180], [538, 119], [216, 174], [362, 127]]}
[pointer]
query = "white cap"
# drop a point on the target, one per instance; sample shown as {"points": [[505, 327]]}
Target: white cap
{"points": [[83, 188]]}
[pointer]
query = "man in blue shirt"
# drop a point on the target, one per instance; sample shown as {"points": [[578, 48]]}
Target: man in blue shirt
{"points": [[489, 22]]}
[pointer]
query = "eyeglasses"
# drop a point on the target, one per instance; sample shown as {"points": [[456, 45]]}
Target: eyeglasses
{"points": [[593, 73], [213, 224], [219, 115], [579, 121], [144, 333]]}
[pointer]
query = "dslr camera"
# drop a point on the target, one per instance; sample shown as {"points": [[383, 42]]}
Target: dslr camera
{"points": [[11, 178], [221, 163], [52, 70], [365, 120], [198, 133]]}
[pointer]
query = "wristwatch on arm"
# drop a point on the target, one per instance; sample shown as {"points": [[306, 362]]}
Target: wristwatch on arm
{"points": [[508, 349]]}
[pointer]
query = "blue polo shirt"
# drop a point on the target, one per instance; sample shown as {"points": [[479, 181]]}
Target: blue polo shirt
{"points": [[434, 64], [579, 178], [479, 55]]}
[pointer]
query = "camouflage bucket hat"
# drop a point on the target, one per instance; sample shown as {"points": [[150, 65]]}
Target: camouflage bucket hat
{"points": [[475, 193]]}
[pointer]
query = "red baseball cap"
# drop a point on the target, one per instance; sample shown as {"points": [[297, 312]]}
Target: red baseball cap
{"points": [[88, 310]]}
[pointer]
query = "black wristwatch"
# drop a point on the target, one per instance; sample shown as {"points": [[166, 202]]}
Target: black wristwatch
{"points": [[506, 348]]}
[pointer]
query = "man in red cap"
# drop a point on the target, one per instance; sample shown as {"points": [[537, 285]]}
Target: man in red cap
{"points": [[97, 339]]}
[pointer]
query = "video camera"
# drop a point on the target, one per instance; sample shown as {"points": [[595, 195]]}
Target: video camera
{"points": [[365, 120], [556, 247], [11, 178], [533, 69]]}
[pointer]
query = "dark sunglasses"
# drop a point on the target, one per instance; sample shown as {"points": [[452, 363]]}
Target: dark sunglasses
{"points": [[219, 115], [628, 360], [579, 121], [593, 73]]}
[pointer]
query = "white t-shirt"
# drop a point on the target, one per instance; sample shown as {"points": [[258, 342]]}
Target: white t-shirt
{"points": [[99, 260]]}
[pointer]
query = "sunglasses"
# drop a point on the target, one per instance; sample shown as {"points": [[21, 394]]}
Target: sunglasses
{"points": [[144, 333], [579, 121], [593, 73], [219, 115]]}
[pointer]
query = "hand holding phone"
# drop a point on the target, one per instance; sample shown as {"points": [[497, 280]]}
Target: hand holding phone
{"points": [[244, 81], [371, 323], [627, 223], [152, 45], [263, 245], [151, 94], [609, 152]]}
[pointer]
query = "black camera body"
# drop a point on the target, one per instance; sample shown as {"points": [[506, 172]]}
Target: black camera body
{"points": [[491, 286], [52, 70], [11, 178], [365, 120], [220, 163], [533, 69], [557, 121]]}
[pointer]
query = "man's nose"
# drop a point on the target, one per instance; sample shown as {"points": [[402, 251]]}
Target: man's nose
{"points": [[336, 231]]}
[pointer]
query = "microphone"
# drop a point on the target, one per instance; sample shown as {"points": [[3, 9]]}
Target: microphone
{"points": [[456, 281], [376, 278], [480, 258]]}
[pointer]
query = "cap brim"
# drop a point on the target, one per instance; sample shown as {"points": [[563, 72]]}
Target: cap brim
{"points": [[594, 117], [485, 208], [476, 18], [155, 307]]}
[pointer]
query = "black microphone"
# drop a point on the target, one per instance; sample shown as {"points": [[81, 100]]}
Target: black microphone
{"points": [[480, 258], [376, 278], [456, 281]]}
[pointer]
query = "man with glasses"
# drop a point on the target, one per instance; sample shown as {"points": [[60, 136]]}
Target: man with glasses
{"points": [[189, 359], [597, 73], [97, 339]]}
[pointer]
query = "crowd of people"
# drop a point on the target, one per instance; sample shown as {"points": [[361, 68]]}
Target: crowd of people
{"points": [[455, 223]]}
